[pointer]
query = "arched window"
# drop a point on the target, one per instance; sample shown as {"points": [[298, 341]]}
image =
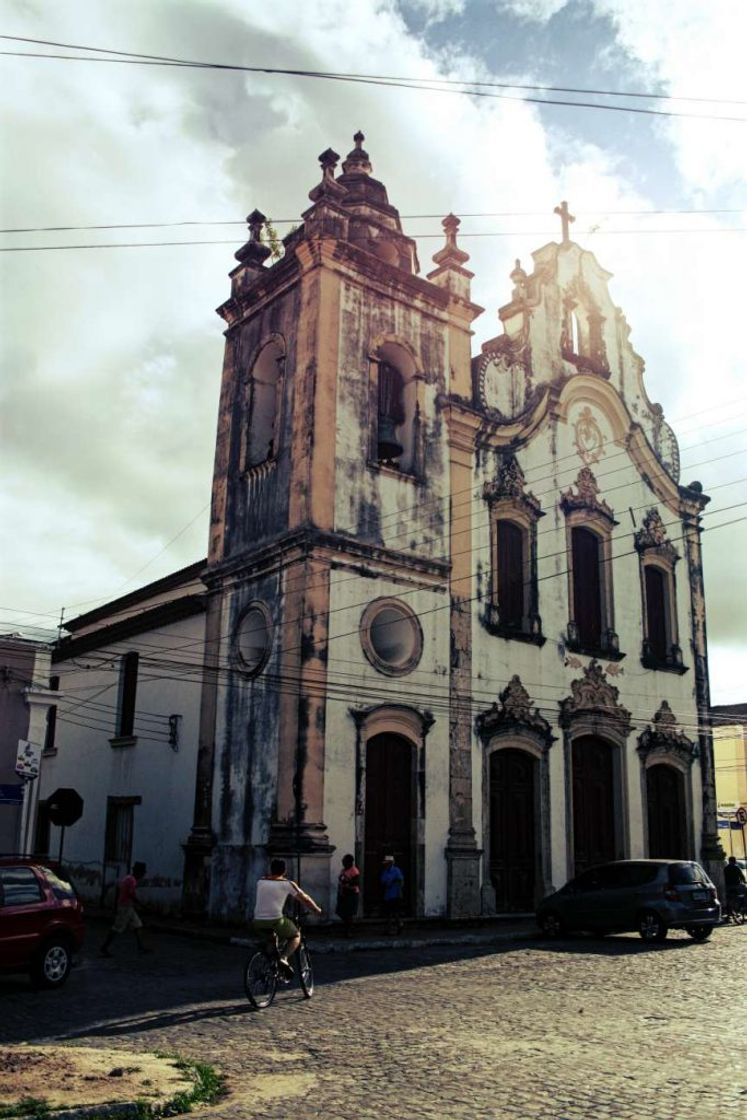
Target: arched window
{"points": [[396, 428], [264, 405], [589, 523], [587, 587], [511, 565], [659, 614], [512, 609]]}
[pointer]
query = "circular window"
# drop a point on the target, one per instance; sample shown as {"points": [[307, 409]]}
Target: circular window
{"points": [[391, 636], [254, 638]]}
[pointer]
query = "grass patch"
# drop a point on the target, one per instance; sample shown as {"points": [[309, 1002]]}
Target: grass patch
{"points": [[208, 1086], [27, 1106]]}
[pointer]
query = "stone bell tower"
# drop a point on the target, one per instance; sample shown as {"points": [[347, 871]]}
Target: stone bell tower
{"points": [[330, 456]]}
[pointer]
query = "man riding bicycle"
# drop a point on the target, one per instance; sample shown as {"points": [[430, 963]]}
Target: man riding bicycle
{"points": [[272, 893], [734, 882]]}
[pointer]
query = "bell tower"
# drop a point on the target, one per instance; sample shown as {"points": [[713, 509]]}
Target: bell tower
{"points": [[330, 489]]}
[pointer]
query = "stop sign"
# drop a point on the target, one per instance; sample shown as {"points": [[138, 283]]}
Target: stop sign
{"points": [[65, 807]]}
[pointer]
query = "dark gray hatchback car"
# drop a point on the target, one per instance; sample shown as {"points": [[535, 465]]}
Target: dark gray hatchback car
{"points": [[651, 896]]}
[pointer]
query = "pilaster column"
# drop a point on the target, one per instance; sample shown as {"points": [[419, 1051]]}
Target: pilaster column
{"points": [[712, 854], [462, 853]]}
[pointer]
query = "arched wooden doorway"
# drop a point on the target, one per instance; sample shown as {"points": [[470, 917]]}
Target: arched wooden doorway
{"points": [[513, 848], [593, 802], [665, 798], [390, 813]]}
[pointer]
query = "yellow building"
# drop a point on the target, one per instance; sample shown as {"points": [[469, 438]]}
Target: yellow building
{"points": [[730, 757]]}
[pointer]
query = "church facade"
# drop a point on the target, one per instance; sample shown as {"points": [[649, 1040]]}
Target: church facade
{"points": [[453, 605]]}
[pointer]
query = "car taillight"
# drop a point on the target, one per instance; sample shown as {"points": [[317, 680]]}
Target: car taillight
{"points": [[671, 894]]}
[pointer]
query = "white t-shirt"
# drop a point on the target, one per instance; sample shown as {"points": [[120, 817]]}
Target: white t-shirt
{"points": [[271, 896]]}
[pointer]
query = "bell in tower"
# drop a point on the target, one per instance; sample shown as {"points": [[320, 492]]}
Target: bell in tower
{"points": [[391, 413]]}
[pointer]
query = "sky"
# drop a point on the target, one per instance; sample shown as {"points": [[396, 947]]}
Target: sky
{"points": [[111, 357]]}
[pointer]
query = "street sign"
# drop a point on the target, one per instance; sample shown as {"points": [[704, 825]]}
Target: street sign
{"points": [[28, 760], [65, 807], [741, 815]]}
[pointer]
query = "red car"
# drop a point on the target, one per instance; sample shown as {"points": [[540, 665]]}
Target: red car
{"points": [[41, 920]]}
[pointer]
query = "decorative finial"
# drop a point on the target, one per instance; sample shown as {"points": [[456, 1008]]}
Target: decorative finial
{"points": [[254, 253], [519, 278], [357, 161], [451, 255], [329, 186], [565, 219], [255, 221]]}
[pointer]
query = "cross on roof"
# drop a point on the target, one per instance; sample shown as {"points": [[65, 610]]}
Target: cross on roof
{"points": [[565, 218]]}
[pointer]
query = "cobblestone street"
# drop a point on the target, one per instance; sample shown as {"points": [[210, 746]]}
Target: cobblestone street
{"points": [[584, 1028]]}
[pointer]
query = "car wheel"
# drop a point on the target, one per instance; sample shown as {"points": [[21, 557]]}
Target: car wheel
{"points": [[700, 933], [651, 927], [51, 967], [551, 924]]}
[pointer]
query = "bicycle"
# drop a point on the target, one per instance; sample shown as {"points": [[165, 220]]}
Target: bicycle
{"points": [[262, 972], [736, 908]]}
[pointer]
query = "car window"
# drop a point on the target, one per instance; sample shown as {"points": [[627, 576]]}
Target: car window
{"points": [[20, 886], [639, 874], [61, 888], [587, 881], [680, 874], [615, 876]]}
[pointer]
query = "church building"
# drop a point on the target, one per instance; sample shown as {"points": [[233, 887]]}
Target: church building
{"points": [[452, 608]]}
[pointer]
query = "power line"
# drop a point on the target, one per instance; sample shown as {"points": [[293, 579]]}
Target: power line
{"points": [[396, 77], [421, 236], [424, 85], [403, 217]]}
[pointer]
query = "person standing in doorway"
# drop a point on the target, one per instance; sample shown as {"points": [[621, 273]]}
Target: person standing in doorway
{"points": [[392, 882], [348, 893], [127, 916]]}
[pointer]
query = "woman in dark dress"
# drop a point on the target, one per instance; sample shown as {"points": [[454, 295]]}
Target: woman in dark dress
{"points": [[348, 893]]}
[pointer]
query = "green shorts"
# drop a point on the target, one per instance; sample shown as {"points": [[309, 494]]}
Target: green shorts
{"points": [[283, 927]]}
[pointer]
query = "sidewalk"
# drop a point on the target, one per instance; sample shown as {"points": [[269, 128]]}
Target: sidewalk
{"points": [[369, 933]]}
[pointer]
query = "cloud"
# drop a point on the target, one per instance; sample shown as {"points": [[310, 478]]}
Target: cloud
{"points": [[534, 11], [114, 356]]}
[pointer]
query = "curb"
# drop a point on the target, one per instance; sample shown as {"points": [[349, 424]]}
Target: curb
{"points": [[402, 942]]}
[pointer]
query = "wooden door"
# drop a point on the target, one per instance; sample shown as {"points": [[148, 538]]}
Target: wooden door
{"points": [[665, 797], [513, 829], [593, 803], [390, 816]]}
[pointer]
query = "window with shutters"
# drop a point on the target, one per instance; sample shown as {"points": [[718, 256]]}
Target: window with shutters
{"points": [[658, 557], [124, 731], [50, 731], [512, 608], [589, 525]]}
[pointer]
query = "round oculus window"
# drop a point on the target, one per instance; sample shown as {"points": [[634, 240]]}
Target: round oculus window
{"points": [[391, 636], [254, 638]]}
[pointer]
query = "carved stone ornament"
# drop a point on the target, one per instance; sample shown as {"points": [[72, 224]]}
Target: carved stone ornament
{"points": [[665, 738], [593, 694], [514, 713], [510, 485], [503, 385], [587, 496], [665, 444], [589, 441], [653, 538]]}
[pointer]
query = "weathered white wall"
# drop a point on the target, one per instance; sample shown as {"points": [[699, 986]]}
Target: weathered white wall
{"points": [[169, 682]]}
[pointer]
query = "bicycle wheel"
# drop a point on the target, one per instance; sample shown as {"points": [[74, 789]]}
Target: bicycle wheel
{"points": [[305, 971], [260, 981]]}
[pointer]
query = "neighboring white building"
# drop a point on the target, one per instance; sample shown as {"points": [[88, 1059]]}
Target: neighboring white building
{"points": [[126, 736], [453, 606]]}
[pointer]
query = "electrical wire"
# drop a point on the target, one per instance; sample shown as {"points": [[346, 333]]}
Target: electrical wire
{"points": [[423, 85]]}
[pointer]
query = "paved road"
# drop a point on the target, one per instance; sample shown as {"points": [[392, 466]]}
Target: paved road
{"points": [[605, 1029]]}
